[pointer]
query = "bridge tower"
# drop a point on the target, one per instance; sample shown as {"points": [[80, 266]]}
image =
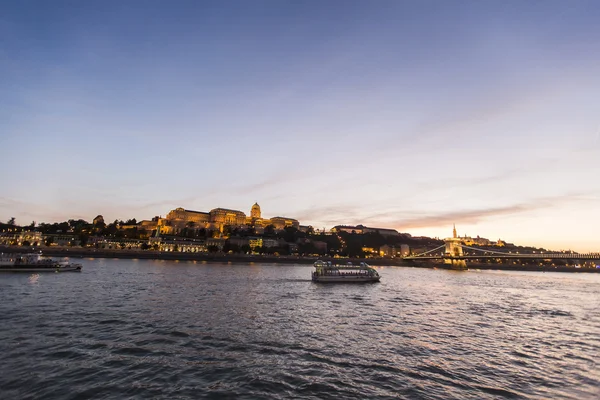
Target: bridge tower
{"points": [[454, 251]]}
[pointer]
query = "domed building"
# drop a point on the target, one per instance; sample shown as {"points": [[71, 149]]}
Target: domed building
{"points": [[180, 218], [255, 211]]}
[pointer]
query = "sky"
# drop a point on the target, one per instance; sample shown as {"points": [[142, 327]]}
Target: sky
{"points": [[412, 115]]}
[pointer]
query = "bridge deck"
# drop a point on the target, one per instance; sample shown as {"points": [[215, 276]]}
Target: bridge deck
{"points": [[511, 256]]}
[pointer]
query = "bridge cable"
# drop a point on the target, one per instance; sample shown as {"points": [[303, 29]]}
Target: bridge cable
{"points": [[429, 251]]}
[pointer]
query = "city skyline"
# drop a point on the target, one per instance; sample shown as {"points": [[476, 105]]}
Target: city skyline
{"points": [[403, 115]]}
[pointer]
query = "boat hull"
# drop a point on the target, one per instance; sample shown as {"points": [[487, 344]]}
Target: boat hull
{"points": [[345, 279], [37, 268]]}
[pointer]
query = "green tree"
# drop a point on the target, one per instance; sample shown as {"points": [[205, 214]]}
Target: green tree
{"points": [[83, 239], [307, 249], [200, 233], [269, 231], [227, 229], [291, 234]]}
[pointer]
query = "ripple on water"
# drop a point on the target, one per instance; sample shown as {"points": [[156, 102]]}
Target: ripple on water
{"points": [[181, 330]]}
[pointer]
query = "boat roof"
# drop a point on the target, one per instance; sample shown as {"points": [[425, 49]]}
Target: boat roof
{"points": [[328, 264]]}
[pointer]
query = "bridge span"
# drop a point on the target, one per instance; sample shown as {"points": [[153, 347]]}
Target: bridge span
{"points": [[452, 253]]}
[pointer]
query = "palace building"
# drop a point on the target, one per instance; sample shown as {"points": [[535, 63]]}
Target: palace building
{"points": [[179, 219]]}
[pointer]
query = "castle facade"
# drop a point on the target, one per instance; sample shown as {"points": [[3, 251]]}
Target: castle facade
{"points": [[216, 219]]}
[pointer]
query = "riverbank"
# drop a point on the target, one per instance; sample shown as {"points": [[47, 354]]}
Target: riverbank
{"points": [[74, 252]]}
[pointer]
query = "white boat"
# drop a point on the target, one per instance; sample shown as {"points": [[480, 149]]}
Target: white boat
{"points": [[34, 263], [328, 272]]}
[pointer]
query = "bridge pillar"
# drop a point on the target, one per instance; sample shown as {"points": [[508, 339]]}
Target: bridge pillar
{"points": [[453, 252]]}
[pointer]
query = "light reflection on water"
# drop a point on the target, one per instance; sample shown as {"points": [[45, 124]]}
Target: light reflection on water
{"points": [[159, 329]]}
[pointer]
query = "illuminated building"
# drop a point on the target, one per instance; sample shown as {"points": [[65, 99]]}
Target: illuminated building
{"points": [[222, 216], [255, 211], [18, 238], [361, 229], [454, 249], [394, 251], [179, 219], [283, 222]]}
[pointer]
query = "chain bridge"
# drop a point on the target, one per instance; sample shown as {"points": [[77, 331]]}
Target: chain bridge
{"points": [[452, 252]]}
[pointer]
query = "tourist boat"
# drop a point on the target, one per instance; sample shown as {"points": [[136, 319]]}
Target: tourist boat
{"points": [[34, 263], [327, 272]]}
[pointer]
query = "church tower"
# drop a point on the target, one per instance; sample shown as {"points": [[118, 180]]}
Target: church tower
{"points": [[255, 211], [454, 232]]}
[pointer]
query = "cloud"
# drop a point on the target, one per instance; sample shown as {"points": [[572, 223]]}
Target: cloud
{"points": [[429, 220], [328, 214]]}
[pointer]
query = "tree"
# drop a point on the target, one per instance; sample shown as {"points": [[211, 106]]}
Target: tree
{"points": [[83, 239], [307, 249], [246, 248], [11, 221], [227, 230], [260, 249], [32, 225], [291, 234], [269, 230], [201, 232]]}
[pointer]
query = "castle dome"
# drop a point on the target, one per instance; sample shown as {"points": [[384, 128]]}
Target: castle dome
{"points": [[255, 211]]}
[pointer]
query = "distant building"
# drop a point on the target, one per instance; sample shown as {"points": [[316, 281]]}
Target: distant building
{"points": [[239, 241], [371, 251], [174, 243], [220, 243], [61, 239], [114, 243], [394, 251], [18, 238], [270, 242], [404, 250], [179, 219], [478, 241], [361, 229], [283, 222], [148, 225], [255, 242]]}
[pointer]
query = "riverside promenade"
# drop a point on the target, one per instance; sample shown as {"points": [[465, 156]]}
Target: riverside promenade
{"points": [[81, 252]]}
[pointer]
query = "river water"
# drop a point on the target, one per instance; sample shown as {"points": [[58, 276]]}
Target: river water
{"points": [[161, 329]]}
